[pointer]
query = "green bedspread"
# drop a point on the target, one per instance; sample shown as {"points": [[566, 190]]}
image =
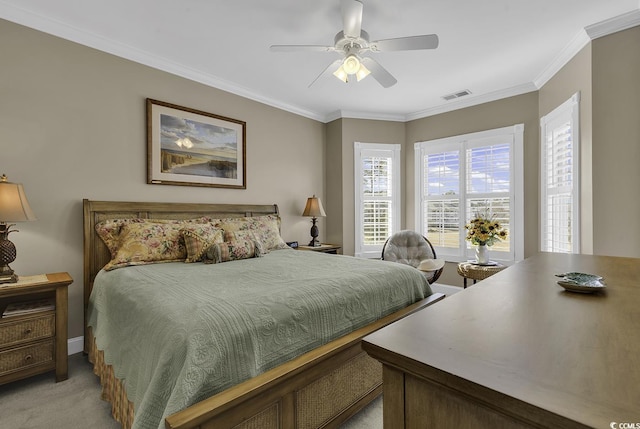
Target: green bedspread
{"points": [[177, 333]]}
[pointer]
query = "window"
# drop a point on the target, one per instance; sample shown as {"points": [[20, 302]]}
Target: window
{"points": [[377, 196], [458, 177], [559, 175]]}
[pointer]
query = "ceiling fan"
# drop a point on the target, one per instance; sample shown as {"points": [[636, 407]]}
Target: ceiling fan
{"points": [[352, 42]]}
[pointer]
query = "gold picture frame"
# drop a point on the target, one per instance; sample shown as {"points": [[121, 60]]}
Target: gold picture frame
{"points": [[190, 147]]}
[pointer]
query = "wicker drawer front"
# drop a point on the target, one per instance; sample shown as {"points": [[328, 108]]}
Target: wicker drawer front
{"points": [[356, 378], [25, 330], [26, 356]]}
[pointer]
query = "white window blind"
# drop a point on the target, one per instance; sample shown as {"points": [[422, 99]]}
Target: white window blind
{"points": [[559, 175], [457, 177], [441, 205], [377, 180], [489, 182]]}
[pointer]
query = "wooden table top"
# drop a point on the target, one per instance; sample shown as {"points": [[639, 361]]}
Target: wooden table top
{"points": [[519, 335]]}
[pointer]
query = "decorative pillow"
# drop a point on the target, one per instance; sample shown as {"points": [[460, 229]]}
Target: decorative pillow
{"points": [[230, 251], [236, 223], [267, 231], [237, 235], [198, 238], [109, 230], [266, 228], [148, 243], [230, 236]]}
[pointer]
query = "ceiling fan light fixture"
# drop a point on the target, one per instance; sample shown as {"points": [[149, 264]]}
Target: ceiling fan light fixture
{"points": [[351, 64], [352, 41], [362, 72], [341, 74]]}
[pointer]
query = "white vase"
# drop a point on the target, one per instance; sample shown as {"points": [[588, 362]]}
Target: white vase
{"points": [[481, 254]]}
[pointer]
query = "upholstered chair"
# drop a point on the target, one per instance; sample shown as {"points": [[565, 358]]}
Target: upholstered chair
{"points": [[410, 248]]}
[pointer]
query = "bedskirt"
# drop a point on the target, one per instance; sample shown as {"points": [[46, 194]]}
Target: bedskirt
{"points": [[113, 390]]}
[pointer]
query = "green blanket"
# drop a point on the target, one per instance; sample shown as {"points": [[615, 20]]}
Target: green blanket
{"points": [[177, 333]]}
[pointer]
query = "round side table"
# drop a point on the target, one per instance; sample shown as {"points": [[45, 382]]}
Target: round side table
{"points": [[469, 270]]}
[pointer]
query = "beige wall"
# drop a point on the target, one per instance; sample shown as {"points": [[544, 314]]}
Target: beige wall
{"points": [[340, 149], [575, 77], [333, 202], [616, 143], [72, 122]]}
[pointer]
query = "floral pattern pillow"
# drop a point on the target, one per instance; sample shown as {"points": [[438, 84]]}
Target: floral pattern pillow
{"points": [[266, 229], [110, 229], [198, 238], [231, 236], [148, 243], [230, 251]]}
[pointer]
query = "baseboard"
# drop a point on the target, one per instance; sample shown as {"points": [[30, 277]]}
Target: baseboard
{"points": [[75, 345]]}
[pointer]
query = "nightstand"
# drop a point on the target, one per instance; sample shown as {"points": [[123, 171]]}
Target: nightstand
{"points": [[34, 341], [469, 270], [324, 248]]}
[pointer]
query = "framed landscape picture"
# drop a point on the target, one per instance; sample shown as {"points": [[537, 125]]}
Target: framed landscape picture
{"points": [[193, 148]]}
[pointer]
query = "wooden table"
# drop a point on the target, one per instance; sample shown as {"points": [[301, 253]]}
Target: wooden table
{"points": [[517, 350]]}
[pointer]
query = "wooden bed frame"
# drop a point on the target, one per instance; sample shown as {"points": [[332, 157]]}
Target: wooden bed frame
{"points": [[320, 389]]}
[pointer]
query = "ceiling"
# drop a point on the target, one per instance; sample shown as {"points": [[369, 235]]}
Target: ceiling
{"points": [[494, 48]]}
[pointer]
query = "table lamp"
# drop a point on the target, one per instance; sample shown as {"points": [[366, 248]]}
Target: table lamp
{"points": [[314, 210], [14, 207]]}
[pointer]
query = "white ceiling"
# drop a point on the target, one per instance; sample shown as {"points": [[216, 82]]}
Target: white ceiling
{"points": [[494, 48]]}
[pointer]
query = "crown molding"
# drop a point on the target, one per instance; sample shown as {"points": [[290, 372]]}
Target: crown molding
{"points": [[351, 114], [613, 25], [92, 40], [576, 44], [583, 38], [473, 101], [59, 29], [332, 116]]}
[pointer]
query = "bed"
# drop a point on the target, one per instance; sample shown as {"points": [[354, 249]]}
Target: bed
{"points": [[319, 383]]}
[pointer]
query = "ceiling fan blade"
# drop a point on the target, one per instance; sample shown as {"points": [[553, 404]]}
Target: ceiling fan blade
{"points": [[379, 73], [328, 71], [298, 48], [427, 41], [351, 17]]}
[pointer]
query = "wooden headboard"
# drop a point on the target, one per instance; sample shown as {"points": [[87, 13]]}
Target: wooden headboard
{"points": [[96, 254]]}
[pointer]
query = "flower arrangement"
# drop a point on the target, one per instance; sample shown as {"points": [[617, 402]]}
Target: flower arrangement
{"points": [[485, 230]]}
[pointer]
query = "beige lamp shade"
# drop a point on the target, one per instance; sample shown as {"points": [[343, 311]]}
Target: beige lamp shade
{"points": [[314, 208], [14, 206]]}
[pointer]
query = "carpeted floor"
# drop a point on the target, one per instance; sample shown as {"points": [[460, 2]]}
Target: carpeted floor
{"points": [[41, 403]]}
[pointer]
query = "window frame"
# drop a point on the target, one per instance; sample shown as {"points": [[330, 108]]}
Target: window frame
{"points": [[460, 143], [567, 111], [389, 150]]}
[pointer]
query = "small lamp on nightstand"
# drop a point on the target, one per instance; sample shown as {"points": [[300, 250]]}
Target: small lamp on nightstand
{"points": [[14, 207], [314, 209]]}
